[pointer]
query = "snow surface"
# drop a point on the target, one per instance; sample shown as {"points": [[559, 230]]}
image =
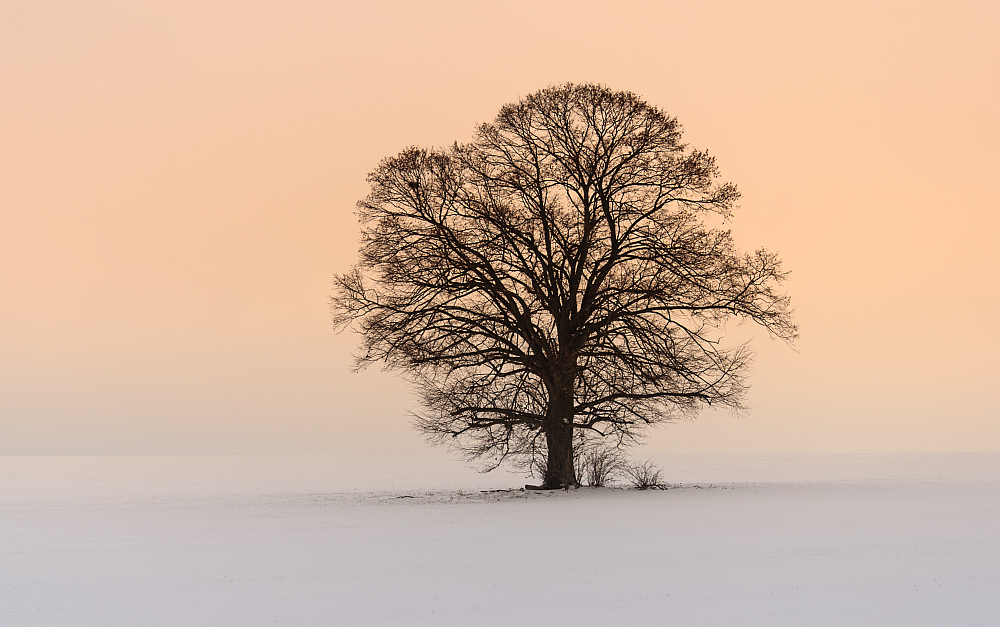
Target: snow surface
{"points": [[311, 540]]}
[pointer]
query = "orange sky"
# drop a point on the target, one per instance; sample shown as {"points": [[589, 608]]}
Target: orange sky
{"points": [[178, 179]]}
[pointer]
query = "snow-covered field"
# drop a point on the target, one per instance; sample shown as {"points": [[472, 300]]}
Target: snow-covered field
{"points": [[310, 540]]}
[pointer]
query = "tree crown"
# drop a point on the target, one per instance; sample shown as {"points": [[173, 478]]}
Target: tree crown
{"points": [[560, 268]]}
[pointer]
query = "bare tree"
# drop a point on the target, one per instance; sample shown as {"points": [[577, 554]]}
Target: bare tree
{"points": [[558, 273]]}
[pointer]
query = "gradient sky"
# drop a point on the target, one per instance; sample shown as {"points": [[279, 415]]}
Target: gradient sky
{"points": [[178, 179]]}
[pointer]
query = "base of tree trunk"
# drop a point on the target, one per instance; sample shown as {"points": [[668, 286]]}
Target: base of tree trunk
{"points": [[542, 487], [559, 485]]}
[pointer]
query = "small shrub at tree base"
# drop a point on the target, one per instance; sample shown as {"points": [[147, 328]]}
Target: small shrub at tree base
{"points": [[598, 467], [645, 476]]}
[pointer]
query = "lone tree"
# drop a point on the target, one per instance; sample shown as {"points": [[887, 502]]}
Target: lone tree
{"points": [[557, 279]]}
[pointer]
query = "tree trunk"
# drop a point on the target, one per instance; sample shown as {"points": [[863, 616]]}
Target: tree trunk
{"points": [[560, 472]]}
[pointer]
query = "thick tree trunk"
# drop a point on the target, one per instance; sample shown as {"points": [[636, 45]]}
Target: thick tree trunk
{"points": [[560, 472]]}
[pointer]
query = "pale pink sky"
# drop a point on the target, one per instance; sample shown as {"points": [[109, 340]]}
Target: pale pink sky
{"points": [[178, 179]]}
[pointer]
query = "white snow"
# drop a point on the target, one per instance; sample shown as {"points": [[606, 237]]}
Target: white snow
{"points": [[310, 540]]}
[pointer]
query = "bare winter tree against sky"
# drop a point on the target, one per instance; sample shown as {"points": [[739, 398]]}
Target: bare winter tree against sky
{"points": [[562, 279]]}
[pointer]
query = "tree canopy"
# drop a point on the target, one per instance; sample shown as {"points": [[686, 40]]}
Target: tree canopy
{"points": [[562, 277]]}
